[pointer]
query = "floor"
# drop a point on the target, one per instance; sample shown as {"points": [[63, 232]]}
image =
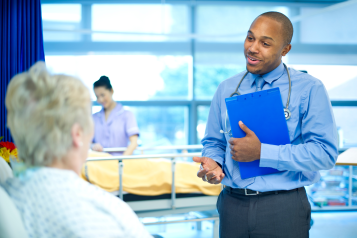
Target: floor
{"points": [[326, 225]]}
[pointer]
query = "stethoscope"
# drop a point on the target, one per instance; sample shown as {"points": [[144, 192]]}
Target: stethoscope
{"points": [[287, 112]]}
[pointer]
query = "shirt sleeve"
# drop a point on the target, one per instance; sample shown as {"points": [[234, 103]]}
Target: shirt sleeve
{"points": [[131, 127], [214, 143], [318, 150]]}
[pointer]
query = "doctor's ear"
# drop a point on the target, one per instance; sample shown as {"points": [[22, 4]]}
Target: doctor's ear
{"points": [[286, 50]]}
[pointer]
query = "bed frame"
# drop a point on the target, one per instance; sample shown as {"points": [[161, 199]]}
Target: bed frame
{"points": [[201, 204]]}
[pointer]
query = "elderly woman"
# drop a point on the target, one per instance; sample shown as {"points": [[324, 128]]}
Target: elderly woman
{"points": [[50, 119]]}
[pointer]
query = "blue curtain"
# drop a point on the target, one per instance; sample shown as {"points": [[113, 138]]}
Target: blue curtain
{"points": [[21, 45]]}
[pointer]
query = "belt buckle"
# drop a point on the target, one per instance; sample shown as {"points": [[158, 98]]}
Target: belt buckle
{"points": [[250, 194]]}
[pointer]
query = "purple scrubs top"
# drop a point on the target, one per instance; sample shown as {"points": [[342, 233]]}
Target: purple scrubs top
{"points": [[114, 132]]}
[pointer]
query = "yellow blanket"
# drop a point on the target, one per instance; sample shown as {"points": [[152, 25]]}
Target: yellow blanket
{"points": [[148, 177]]}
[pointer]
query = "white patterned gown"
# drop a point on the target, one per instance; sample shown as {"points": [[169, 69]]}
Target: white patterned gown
{"points": [[58, 203]]}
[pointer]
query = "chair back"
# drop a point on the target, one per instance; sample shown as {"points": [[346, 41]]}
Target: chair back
{"points": [[11, 225], [5, 171]]}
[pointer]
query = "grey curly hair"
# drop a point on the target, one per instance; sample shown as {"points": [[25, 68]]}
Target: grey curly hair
{"points": [[41, 110]]}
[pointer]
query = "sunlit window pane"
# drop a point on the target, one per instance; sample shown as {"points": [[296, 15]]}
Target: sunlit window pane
{"points": [[339, 80], [161, 126], [202, 112], [230, 22], [213, 68], [133, 77], [346, 118], [332, 27], [61, 17], [138, 18]]}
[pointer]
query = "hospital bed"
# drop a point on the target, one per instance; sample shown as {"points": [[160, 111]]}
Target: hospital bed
{"points": [[167, 204]]}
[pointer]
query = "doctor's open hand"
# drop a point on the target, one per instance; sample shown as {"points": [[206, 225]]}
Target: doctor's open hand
{"points": [[210, 171], [245, 149]]}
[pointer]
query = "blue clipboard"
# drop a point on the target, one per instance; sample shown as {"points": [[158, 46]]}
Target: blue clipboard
{"points": [[263, 113]]}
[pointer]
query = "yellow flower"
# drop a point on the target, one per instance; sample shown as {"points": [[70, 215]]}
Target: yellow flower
{"points": [[14, 153], [5, 153]]}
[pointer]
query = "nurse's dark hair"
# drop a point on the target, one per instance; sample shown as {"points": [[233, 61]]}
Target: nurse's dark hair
{"points": [[103, 81], [287, 26]]}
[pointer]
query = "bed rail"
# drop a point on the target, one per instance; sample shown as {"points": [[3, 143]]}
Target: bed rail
{"points": [[157, 156], [144, 148], [215, 218]]}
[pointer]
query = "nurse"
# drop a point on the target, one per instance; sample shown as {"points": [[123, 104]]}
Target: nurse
{"points": [[114, 126]]}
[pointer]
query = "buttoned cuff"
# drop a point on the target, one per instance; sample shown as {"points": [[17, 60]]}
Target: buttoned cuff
{"points": [[217, 159], [269, 156]]}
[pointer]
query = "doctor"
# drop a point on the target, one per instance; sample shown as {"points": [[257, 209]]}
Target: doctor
{"points": [[272, 205], [114, 126]]}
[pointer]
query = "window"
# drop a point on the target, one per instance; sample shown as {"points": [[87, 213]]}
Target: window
{"points": [[230, 22], [346, 118], [339, 80], [57, 18], [133, 77], [162, 125], [139, 18], [332, 27], [202, 112], [213, 68]]}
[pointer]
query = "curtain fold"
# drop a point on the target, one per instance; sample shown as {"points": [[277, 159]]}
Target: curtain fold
{"points": [[21, 45]]}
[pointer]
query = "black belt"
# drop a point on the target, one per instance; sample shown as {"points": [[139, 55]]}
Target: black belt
{"points": [[245, 191]]}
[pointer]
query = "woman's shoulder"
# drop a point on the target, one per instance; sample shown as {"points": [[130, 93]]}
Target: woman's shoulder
{"points": [[125, 113], [97, 114], [71, 202], [58, 186]]}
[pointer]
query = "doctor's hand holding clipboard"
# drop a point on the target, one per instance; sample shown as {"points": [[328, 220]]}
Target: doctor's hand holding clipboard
{"points": [[245, 149]]}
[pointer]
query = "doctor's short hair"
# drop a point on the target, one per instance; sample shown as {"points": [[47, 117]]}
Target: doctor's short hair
{"points": [[41, 110], [287, 26], [103, 81]]}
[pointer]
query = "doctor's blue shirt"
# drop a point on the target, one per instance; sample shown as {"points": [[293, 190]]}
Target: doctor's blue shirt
{"points": [[312, 132]]}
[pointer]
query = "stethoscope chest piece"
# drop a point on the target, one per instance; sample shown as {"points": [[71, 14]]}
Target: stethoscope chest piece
{"points": [[287, 113]]}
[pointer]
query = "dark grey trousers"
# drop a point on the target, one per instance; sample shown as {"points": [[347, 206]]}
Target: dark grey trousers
{"points": [[285, 215]]}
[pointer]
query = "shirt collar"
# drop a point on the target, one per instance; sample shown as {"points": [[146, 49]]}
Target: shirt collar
{"points": [[270, 76], [118, 108]]}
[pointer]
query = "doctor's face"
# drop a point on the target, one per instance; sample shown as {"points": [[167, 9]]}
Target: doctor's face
{"points": [[264, 45], [104, 96]]}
